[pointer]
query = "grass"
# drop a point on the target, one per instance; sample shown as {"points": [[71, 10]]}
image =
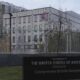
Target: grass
{"points": [[11, 73]]}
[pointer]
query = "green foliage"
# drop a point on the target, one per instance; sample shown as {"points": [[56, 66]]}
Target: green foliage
{"points": [[11, 73], [75, 42], [52, 43], [63, 41], [41, 47], [55, 43]]}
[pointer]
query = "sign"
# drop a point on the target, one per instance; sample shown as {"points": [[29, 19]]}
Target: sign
{"points": [[57, 67]]}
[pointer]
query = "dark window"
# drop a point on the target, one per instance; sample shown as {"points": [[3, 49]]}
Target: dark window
{"points": [[19, 19], [35, 38], [29, 46], [13, 47], [35, 46], [35, 28], [40, 38], [35, 18], [25, 47], [24, 38], [29, 38], [14, 20], [18, 46], [29, 28], [29, 19], [13, 39], [40, 27], [24, 29], [13, 29], [6, 21], [19, 29], [24, 19], [20, 39]]}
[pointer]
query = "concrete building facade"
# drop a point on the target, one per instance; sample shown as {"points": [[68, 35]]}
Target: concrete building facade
{"points": [[28, 28]]}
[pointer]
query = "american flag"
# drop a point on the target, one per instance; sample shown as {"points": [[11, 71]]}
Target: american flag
{"points": [[44, 17]]}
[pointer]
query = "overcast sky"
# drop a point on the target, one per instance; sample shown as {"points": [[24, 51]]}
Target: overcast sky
{"points": [[73, 5]]}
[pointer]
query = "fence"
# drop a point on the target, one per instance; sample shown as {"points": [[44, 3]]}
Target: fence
{"points": [[17, 59], [11, 59]]}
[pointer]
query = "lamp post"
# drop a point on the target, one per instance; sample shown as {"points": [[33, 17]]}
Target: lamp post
{"points": [[10, 14]]}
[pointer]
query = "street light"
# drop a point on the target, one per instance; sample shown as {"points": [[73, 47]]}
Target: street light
{"points": [[10, 14]]}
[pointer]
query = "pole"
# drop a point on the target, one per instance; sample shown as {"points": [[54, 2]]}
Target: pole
{"points": [[59, 32], [67, 42], [10, 30]]}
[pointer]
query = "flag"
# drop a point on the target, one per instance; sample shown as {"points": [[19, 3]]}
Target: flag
{"points": [[44, 17]]}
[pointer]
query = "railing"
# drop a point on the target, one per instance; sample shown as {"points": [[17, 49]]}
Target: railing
{"points": [[11, 59]]}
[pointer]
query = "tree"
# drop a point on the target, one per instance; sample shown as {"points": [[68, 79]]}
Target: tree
{"points": [[4, 44], [53, 43], [41, 48], [56, 38], [75, 41]]}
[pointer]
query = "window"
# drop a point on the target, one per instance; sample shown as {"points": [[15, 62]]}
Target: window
{"points": [[40, 27], [7, 21], [29, 38], [29, 19], [24, 29], [19, 29], [19, 39], [13, 29], [19, 19], [13, 39], [35, 38], [35, 46], [19, 46], [29, 46], [40, 38], [13, 47], [24, 19], [35, 18], [13, 20], [29, 28], [24, 38], [25, 47], [46, 27], [35, 28]]}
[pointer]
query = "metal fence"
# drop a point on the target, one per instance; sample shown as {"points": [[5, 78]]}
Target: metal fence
{"points": [[17, 59], [11, 59]]}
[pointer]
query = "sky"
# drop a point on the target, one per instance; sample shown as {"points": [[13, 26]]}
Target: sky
{"points": [[71, 5]]}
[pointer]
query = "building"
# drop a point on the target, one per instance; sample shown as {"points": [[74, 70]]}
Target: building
{"points": [[28, 28], [4, 44], [6, 7]]}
